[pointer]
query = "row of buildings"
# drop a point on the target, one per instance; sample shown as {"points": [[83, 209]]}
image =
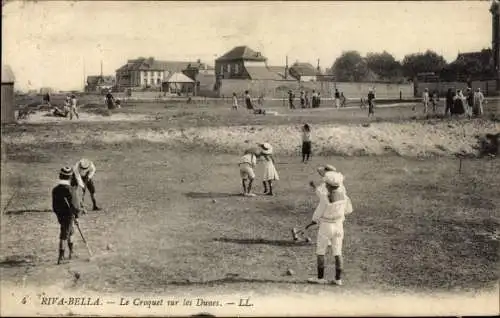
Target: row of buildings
{"points": [[241, 62]]}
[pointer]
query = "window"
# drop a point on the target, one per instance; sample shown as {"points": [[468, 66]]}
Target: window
{"points": [[229, 68], [236, 69], [158, 81], [222, 68]]}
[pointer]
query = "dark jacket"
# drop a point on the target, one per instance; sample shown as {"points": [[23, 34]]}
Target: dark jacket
{"points": [[65, 202]]}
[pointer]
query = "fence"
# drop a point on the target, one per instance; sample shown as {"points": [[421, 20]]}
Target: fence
{"points": [[280, 88], [487, 87]]}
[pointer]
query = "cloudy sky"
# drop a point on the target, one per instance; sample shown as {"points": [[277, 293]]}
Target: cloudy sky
{"points": [[56, 43]]}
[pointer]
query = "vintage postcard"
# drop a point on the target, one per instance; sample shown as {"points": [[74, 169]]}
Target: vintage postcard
{"points": [[250, 158]]}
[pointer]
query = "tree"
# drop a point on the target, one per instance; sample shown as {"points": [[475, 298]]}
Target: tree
{"points": [[422, 63], [383, 64], [350, 67]]}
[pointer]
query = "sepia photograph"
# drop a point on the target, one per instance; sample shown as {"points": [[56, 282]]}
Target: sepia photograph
{"points": [[250, 158]]}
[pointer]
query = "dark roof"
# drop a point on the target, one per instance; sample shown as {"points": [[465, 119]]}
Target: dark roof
{"points": [[98, 79], [484, 55], [242, 53], [150, 64], [262, 73], [7, 74], [303, 69]]}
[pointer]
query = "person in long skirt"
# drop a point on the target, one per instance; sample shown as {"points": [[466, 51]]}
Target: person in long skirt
{"points": [[458, 103], [270, 173], [478, 102]]}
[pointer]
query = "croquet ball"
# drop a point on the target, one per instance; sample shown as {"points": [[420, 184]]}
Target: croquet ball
{"points": [[213, 200], [182, 180], [109, 247], [77, 275], [308, 239], [290, 272]]}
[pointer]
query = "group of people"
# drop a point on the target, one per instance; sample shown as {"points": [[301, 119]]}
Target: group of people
{"points": [[457, 103], [249, 103], [334, 205], [66, 202], [471, 104], [70, 108], [248, 163]]}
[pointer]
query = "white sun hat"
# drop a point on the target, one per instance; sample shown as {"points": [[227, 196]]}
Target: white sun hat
{"points": [[267, 149], [84, 164]]}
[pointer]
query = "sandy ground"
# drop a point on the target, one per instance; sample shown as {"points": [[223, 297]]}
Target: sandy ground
{"points": [[412, 139], [46, 117]]}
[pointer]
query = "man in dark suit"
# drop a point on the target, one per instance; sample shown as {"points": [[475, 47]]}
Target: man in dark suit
{"points": [[66, 206]]}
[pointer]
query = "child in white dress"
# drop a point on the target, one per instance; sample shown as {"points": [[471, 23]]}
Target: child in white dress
{"points": [[270, 173]]}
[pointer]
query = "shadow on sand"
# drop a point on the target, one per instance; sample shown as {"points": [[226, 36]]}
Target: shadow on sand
{"points": [[28, 211], [263, 242], [211, 195]]}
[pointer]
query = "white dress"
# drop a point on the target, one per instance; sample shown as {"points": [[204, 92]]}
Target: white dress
{"points": [[270, 172]]}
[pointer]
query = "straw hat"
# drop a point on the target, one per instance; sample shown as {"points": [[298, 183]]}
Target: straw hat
{"points": [[332, 179], [66, 171], [267, 149]]}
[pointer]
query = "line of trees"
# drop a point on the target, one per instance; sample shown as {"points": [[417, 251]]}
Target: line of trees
{"points": [[352, 67]]}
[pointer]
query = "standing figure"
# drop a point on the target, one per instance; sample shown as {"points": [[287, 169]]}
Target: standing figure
{"points": [[110, 100], [46, 99], [478, 102], [342, 100], [449, 102], [73, 107], [302, 100], [291, 97], [337, 98], [318, 100], [470, 102], [67, 209], [306, 143], [308, 101], [458, 103], [270, 173], [235, 102], [248, 101], [425, 100], [330, 217], [434, 100], [84, 172], [247, 164], [371, 104], [314, 99]]}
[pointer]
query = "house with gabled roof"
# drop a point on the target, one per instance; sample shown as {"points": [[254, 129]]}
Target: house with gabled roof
{"points": [[304, 72], [242, 62], [149, 72]]}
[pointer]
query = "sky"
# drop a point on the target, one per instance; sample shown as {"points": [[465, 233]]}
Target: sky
{"points": [[57, 43]]}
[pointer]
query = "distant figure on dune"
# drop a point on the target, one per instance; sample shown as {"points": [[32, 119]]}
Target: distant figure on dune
{"points": [[235, 102], [248, 101]]}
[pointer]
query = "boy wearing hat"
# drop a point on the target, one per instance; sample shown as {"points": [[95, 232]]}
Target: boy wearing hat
{"points": [[330, 218], [84, 172], [65, 206]]}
